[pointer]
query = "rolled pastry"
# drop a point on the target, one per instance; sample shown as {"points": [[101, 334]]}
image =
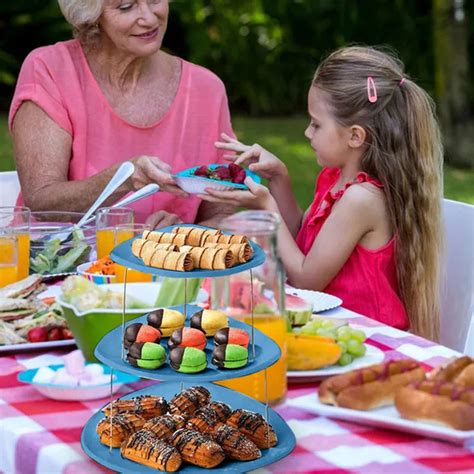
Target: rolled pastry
{"points": [[209, 258], [226, 239], [165, 238], [242, 252], [196, 236], [139, 246], [177, 261]]}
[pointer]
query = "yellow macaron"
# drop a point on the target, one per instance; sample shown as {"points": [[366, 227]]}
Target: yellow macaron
{"points": [[209, 321], [166, 320]]}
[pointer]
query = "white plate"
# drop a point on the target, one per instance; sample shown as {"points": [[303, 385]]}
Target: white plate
{"points": [[373, 355], [32, 346], [387, 418], [321, 301]]}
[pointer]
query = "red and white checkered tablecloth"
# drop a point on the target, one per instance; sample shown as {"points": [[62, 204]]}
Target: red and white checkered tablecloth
{"points": [[38, 435]]}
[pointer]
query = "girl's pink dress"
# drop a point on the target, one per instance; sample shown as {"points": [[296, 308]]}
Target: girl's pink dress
{"points": [[367, 283], [58, 79]]}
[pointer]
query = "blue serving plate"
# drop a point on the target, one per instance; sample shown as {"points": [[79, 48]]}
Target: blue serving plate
{"points": [[193, 184], [122, 254], [113, 460], [267, 352]]}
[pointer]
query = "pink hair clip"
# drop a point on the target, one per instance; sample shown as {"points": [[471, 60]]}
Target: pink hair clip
{"points": [[371, 90], [402, 81]]}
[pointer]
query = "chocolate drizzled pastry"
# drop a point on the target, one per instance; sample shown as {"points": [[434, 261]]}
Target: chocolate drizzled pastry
{"points": [[235, 444], [254, 426], [223, 411], [197, 449], [147, 406], [164, 426], [204, 420], [123, 425], [189, 400], [145, 448]]}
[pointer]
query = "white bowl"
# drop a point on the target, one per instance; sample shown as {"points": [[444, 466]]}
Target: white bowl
{"points": [[95, 277]]}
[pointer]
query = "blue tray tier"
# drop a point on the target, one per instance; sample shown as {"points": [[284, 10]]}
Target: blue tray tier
{"points": [[122, 254], [113, 460], [267, 352]]}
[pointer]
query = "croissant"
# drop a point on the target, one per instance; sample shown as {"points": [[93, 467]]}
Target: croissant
{"points": [[254, 426], [164, 426], [113, 431], [147, 406], [188, 401], [177, 261], [209, 258], [145, 448], [235, 444], [140, 245], [242, 252], [165, 238], [197, 449]]}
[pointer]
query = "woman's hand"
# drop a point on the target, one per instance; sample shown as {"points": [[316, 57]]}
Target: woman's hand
{"points": [[150, 169], [257, 197], [163, 219], [259, 160]]}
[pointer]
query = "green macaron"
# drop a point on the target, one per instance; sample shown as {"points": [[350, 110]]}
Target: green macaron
{"points": [[230, 356], [146, 355], [188, 360]]}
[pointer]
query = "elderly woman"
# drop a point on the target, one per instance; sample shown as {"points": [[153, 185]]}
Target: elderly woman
{"points": [[82, 107]]}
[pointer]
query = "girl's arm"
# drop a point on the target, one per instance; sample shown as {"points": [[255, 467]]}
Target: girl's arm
{"points": [[268, 166]]}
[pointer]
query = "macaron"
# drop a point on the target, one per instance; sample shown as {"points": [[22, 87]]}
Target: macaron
{"points": [[209, 321], [232, 336], [188, 360], [230, 356], [166, 320], [146, 355], [138, 332], [187, 337]]}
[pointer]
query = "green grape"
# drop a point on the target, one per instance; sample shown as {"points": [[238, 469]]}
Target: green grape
{"points": [[326, 333], [356, 348], [308, 330], [327, 324], [345, 359], [343, 346], [358, 335], [344, 334]]}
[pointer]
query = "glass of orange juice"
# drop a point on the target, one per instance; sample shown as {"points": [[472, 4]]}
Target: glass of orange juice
{"points": [[107, 220], [124, 232], [8, 258], [16, 219]]}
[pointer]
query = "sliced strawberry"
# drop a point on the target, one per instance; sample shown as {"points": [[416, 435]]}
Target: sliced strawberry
{"points": [[202, 171]]}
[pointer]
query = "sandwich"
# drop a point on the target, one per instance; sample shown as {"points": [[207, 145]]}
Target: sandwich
{"points": [[29, 287], [16, 308]]}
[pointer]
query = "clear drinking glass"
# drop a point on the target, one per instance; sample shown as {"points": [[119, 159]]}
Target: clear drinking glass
{"points": [[107, 221], [8, 258], [234, 295], [16, 220], [124, 232]]}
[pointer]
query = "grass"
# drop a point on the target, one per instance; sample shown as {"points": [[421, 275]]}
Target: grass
{"points": [[284, 137]]}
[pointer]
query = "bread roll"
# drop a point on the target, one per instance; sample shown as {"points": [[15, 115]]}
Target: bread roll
{"points": [[437, 402], [371, 387], [460, 371]]}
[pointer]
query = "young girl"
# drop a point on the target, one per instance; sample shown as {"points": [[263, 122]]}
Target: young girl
{"points": [[372, 233]]}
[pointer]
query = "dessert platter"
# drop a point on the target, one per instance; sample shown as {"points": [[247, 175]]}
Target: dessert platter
{"points": [[186, 423], [399, 395]]}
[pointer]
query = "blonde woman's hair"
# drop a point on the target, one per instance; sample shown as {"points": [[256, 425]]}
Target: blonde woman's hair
{"points": [[83, 15], [404, 152]]}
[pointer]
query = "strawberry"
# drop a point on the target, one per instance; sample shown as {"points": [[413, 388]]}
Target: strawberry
{"points": [[221, 172], [37, 335], [239, 177], [67, 334], [55, 334], [202, 171]]}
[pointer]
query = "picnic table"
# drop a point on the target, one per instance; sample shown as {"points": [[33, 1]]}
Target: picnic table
{"points": [[42, 436]]}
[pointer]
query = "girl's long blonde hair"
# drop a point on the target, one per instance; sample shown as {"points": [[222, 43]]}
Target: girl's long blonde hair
{"points": [[404, 152]]}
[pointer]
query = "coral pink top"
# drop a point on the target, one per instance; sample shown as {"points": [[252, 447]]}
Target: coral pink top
{"points": [[367, 282], [58, 79]]}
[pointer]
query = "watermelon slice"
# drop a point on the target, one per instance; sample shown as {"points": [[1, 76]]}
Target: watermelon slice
{"points": [[298, 310]]}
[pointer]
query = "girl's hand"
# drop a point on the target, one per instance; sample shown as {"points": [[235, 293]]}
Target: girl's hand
{"points": [[259, 160], [257, 197], [163, 219], [150, 169]]}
